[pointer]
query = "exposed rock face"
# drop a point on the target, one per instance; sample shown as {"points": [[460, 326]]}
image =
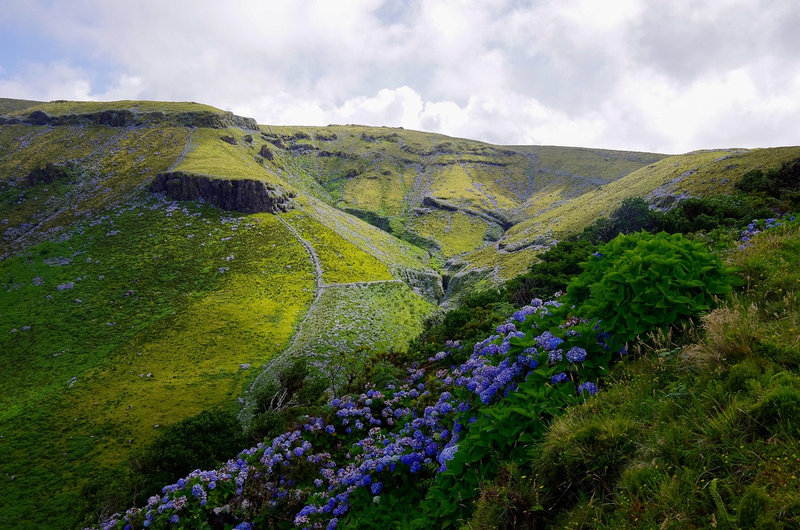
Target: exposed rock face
{"points": [[426, 284], [492, 217], [266, 153], [248, 196], [127, 118]]}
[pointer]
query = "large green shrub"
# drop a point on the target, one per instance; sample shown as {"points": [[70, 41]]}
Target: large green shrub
{"points": [[641, 282], [200, 441], [782, 182]]}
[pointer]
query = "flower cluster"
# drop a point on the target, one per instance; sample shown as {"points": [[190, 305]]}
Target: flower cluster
{"points": [[753, 228], [327, 463]]}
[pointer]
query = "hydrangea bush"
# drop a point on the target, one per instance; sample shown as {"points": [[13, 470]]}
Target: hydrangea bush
{"points": [[375, 441]]}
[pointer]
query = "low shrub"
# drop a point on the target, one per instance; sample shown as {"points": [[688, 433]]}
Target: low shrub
{"points": [[641, 282]]}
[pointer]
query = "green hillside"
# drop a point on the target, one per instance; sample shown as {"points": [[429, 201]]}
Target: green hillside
{"points": [[162, 259]]}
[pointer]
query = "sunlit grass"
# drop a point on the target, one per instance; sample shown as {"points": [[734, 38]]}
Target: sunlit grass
{"points": [[341, 261], [457, 232], [375, 315], [148, 297], [209, 155], [107, 164], [58, 108]]}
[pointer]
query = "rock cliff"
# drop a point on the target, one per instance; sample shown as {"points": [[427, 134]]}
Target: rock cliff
{"points": [[127, 118], [247, 196]]}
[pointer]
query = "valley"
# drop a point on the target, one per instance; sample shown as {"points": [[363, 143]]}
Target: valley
{"points": [[162, 259]]}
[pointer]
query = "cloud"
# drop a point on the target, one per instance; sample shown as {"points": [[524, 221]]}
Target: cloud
{"points": [[48, 82], [632, 74]]}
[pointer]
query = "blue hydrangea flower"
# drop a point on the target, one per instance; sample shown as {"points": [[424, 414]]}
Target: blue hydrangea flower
{"points": [[576, 355], [558, 378], [589, 387]]}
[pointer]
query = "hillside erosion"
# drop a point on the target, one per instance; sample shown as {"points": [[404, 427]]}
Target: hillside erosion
{"points": [[241, 195]]}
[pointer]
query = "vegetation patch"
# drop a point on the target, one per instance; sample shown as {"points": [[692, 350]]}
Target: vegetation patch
{"points": [[457, 232], [341, 261], [209, 155], [138, 318], [377, 315]]}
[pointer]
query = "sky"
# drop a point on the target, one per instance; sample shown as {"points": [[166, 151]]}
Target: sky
{"points": [[667, 76]]}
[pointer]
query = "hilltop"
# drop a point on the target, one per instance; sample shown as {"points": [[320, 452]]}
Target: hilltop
{"points": [[158, 257]]}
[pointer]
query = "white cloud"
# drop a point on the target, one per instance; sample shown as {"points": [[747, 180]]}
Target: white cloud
{"points": [[630, 74], [48, 82]]}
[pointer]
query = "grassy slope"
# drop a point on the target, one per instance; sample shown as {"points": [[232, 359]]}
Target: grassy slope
{"points": [[390, 172], [697, 174], [341, 261], [149, 297], [702, 436], [457, 232], [111, 163], [185, 323], [58, 108], [378, 315], [209, 155], [13, 105], [389, 250]]}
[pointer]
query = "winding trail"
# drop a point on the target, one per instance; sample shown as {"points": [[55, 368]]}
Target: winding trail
{"points": [[356, 284], [318, 292], [319, 288], [184, 152]]}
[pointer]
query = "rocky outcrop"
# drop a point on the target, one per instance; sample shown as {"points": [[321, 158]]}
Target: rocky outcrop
{"points": [[128, 118], [266, 153], [426, 284], [494, 217], [243, 195], [48, 174]]}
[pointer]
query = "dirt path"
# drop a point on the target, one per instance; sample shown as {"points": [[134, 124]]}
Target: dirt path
{"points": [[184, 152], [353, 284], [318, 292]]}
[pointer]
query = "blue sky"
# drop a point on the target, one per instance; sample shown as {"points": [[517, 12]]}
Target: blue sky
{"points": [[667, 76]]}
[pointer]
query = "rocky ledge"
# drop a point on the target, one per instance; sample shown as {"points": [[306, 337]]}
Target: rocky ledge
{"points": [[247, 196], [128, 118]]}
